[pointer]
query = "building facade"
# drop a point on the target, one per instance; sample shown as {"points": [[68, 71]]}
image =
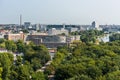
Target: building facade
{"points": [[14, 37], [54, 31]]}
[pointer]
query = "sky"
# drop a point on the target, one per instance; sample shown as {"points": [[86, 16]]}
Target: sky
{"points": [[60, 11]]}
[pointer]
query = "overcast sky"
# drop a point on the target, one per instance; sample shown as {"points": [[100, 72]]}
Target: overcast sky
{"points": [[60, 11]]}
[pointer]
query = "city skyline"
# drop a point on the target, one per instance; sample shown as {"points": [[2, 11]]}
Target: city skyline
{"points": [[60, 11]]}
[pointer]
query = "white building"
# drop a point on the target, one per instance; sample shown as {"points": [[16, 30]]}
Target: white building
{"points": [[37, 27], [73, 29], [62, 39], [2, 50], [43, 28], [54, 31]]}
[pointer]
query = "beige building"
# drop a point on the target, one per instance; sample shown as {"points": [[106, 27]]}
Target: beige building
{"points": [[14, 37]]}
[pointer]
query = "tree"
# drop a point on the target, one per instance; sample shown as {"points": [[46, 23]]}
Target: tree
{"points": [[24, 72], [6, 64], [36, 63], [19, 60], [1, 73], [58, 59], [14, 73], [114, 37], [49, 70], [9, 44], [20, 46], [42, 53], [2, 40], [88, 62], [94, 72], [113, 75], [14, 47], [90, 36], [38, 76], [63, 34], [80, 77], [25, 31]]}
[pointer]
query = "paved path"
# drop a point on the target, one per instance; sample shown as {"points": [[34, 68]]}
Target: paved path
{"points": [[51, 77], [44, 67]]}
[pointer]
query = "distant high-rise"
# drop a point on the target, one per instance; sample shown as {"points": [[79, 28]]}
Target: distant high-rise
{"points": [[64, 25], [27, 25], [20, 20], [37, 27], [95, 25]]}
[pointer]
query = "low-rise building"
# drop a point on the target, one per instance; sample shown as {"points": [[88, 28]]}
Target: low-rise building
{"points": [[73, 38], [52, 52], [50, 41], [14, 37], [2, 50], [55, 31], [71, 29]]}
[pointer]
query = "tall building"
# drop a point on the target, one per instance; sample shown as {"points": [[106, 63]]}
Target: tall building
{"points": [[27, 24], [20, 20], [95, 25], [64, 25], [37, 27]]}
